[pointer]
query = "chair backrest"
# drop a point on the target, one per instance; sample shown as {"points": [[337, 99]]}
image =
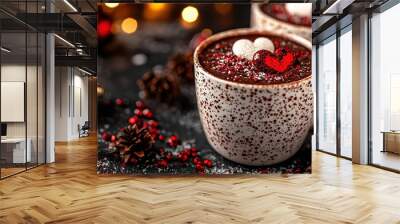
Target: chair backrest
{"points": [[86, 125]]}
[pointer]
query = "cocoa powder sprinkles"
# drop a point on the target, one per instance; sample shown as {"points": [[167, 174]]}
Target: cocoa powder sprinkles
{"points": [[219, 59]]}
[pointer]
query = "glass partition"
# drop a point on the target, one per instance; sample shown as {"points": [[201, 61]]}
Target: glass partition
{"points": [[22, 88], [14, 153], [327, 95], [385, 89], [346, 92]]}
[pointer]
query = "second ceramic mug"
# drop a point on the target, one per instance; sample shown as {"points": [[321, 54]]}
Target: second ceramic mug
{"points": [[261, 20], [253, 124]]}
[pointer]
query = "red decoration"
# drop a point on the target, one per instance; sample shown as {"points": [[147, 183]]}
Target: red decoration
{"points": [[133, 120], [199, 167], [147, 113], [173, 141], [119, 102], [280, 61], [208, 163], [183, 157], [140, 105], [113, 138], [103, 28], [135, 143], [196, 160]]}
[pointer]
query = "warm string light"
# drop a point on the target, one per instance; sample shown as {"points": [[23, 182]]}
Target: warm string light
{"points": [[100, 90], [111, 5], [156, 6], [129, 25], [190, 14]]}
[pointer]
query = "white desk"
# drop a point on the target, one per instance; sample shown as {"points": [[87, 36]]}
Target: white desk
{"points": [[18, 151]]}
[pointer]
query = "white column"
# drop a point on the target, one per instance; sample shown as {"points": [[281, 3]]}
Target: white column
{"points": [[50, 92], [50, 98], [360, 90]]}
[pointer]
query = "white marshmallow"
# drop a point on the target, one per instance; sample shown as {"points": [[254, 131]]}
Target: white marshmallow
{"points": [[246, 49], [243, 48], [299, 9], [263, 43]]}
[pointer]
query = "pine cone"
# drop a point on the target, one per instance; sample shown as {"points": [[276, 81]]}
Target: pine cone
{"points": [[181, 65], [159, 85], [135, 145]]}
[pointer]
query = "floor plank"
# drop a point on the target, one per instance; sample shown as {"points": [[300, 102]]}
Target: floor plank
{"points": [[70, 191]]}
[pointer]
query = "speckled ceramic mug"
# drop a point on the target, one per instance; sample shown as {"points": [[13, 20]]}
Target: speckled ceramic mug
{"points": [[253, 124], [261, 20]]}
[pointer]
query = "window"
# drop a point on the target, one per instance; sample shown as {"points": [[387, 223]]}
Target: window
{"points": [[327, 95], [385, 89], [346, 92]]}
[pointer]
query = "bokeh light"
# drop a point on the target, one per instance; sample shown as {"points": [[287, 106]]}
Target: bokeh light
{"points": [[100, 91], [190, 14], [129, 25], [156, 6], [112, 5], [223, 9], [103, 28]]}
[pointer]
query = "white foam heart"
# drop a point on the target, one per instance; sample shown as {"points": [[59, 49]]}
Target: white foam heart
{"points": [[246, 49], [299, 9]]}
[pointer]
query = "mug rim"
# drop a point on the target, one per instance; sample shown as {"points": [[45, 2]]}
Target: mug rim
{"points": [[250, 31]]}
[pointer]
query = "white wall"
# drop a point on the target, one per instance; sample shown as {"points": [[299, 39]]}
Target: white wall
{"points": [[12, 73], [33, 127], [71, 102]]}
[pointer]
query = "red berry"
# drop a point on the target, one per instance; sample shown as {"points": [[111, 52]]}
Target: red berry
{"points": [[113, 138], [187, 152], [259, 57], [168, 156], [172, 141], [161, 137], [138, 112], [199, 167], [133, 120], [193, 149], [106, 137], [119, 101], [140, 104], [153, 123], [163, 163], [208, 163], [147, 113], [173, 138], [183, 157], [194, 154], [196, 160]]}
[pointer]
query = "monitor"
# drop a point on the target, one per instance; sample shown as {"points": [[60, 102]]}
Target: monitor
{"points": [[3, 129]]}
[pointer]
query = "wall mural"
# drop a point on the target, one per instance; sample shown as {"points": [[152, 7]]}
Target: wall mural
{"points": [[204, 89]]}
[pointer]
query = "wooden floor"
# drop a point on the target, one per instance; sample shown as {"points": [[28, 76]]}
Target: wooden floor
{"points": [[69, 191]]}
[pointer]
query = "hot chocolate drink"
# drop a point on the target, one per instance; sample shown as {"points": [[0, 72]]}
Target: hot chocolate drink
{"points": [[294, 13], [254, 94], [264, 60], [292, 18]]}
